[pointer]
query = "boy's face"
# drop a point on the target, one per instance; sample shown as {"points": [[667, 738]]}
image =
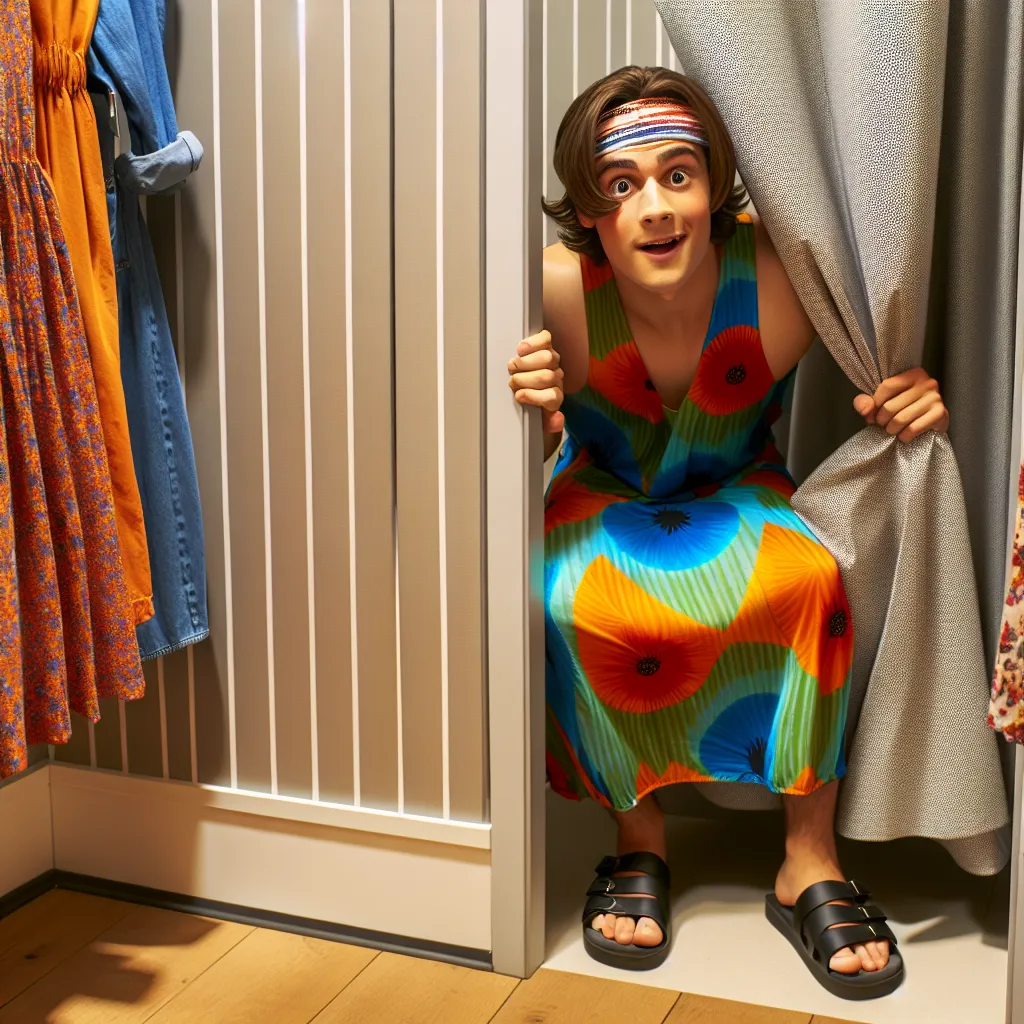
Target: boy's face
{"points": [[661, 231]]}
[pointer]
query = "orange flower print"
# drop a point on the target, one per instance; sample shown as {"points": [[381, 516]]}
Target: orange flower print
{"points": [[622, 378], [804, 591], [568, 501], [732, 373], [806, 783], [638, 653], [648, 780]]}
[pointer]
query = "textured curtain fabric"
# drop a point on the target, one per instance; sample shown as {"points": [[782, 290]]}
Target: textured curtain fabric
{"points": [[881, 145]]}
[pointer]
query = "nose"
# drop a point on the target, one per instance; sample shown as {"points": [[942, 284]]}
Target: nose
{"points": [[654, 207]]}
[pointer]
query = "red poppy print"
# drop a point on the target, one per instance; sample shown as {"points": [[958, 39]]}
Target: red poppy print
{"points": [[733, 373], [594, 274], [622, 378], [638, 653]]}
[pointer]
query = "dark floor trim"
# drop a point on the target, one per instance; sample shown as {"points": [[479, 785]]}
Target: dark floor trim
{"points": [[463, 956], [17, 898]]}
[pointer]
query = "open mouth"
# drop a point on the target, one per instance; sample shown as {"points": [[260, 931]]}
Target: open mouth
{"points": [[663, 246]]}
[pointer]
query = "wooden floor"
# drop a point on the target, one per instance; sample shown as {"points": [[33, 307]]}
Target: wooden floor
{"points": [[67, 958]]}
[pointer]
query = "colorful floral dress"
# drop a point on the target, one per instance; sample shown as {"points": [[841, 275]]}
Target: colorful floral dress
{"points": [[67, 634], [1006, 709], [696, 629]]}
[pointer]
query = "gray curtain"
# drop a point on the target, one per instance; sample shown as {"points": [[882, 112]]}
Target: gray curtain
{"points": [[881, 145]]}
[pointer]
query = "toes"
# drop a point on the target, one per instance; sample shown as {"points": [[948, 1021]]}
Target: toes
{"points": [[879, 952], [867, 961], [647, 933], [845, 962], [608, 926], [598, 922], [625, 928]]}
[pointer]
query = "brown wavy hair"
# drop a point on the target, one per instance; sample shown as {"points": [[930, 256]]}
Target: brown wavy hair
{"points": [[576, 167]]}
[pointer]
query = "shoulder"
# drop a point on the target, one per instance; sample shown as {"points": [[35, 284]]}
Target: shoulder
{"points": [[565, 314], [786, 331]]}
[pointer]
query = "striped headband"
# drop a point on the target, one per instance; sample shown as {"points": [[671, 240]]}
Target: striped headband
{"points": [[641, 122]]}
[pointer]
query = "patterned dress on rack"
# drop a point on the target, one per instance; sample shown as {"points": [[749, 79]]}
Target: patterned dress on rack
{"points": [[67, 633], [696, 629]]}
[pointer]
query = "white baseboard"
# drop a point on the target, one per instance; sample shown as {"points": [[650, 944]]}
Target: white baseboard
{"points": [[291, 857], [27, 831]]}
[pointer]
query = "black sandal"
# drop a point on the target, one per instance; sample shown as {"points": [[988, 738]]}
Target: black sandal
{"points": [[808, 926], [648, 896]]}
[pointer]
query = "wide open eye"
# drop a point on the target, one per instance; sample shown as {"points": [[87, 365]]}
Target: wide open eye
{"points": [[678, 177], [621, 188]]}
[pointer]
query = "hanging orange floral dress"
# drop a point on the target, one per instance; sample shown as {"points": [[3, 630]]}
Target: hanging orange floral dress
{"points": [[68, 147], [66, 632]]}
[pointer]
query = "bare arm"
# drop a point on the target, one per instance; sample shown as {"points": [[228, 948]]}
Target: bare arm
{"points": [[555, 361]]}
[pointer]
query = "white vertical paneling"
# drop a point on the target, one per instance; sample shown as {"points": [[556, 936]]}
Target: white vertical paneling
{"points": [[192, 722], [222, 379], [547, 176], [350, 400], [607, 41], [124, 736], [442, 519], [307, 409], [165, 766], [261, 260], [629, 31], [575, 48], [659, 37]]}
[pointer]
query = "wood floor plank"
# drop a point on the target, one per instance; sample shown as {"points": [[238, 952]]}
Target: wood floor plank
{"points": [[405, 990], [272, 977], [705, 1010], [830, 1020], [45, 932], [556, 997], [128, 972]]}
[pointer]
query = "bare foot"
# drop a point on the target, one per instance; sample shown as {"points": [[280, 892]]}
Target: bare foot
{"points": [[802, 868], [641, 829]]}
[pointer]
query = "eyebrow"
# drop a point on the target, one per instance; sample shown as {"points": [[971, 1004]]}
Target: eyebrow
{"points": [[631, 165]]}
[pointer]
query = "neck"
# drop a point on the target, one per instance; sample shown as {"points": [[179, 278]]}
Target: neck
{"points": [[688, 304]]}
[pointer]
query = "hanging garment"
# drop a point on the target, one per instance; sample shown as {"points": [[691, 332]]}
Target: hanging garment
{"points": [[1006, 709], [69, 152], [696, 629], [126, 56], [66, 634]]}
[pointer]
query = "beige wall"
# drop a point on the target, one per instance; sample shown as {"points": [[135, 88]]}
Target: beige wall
{"points": [[323, 277]]}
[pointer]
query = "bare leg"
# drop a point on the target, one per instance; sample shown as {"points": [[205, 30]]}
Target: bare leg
{"points": [[642, 828], [811, 857]]}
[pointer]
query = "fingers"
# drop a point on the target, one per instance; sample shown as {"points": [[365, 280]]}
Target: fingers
{"points": [[936, 418], [534, 343], [865, 406], [544, 398], [902, 382], [541, 359], [896, 404], [536, 380], [906, 405]]}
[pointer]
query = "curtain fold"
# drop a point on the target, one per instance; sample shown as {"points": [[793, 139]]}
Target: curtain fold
{"points": [[836, 110]]}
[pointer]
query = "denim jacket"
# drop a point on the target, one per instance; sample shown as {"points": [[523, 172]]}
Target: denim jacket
{"points": [[126, 59]]}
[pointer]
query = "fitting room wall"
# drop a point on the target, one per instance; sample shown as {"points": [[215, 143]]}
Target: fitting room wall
{"points": [[322, 274]]}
